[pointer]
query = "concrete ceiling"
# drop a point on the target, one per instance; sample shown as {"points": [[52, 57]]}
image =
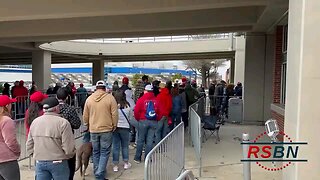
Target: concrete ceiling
{"points": [[25, 25]]}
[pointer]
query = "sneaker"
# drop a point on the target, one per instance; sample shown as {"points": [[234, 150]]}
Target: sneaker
{"points": [[127, 165], [136, 161], [134, 145], [115, 168]]}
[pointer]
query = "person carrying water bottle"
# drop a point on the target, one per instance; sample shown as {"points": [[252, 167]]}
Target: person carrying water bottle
{"points": [[147, 114]]}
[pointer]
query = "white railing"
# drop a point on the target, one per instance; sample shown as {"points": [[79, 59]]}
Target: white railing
{"points": [[186, 175], [166, 160], [157, 39], [196, 111]]}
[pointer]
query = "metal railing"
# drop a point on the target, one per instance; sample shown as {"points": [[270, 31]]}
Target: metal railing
{"points": [[186, 175], [166, 160], [157, 39], [195, 130]]}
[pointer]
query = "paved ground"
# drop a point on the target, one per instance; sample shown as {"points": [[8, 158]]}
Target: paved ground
{"points": [[220, 161]]}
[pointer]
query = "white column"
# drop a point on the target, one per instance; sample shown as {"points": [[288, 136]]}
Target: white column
{"points": [[257, 90], [253, 90], [240, 46], [302, 117], [97, 71], [41, 69]]}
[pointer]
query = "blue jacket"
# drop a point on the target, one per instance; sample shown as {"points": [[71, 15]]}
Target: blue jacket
{"points": [[176, 104]]}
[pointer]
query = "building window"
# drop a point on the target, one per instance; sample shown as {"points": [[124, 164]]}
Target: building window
{"points": [[284, 65]]}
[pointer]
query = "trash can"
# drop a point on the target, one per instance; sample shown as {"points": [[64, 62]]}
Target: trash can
{"points": [[235, 111]]}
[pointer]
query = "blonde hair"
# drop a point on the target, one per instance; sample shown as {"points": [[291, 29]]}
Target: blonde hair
{"points": [[4, 111]]}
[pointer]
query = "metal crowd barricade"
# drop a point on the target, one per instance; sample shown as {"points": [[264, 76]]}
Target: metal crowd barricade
{"points": [[166, 160], [21, 136], [186, 175], [196, 131], [20, 107]]}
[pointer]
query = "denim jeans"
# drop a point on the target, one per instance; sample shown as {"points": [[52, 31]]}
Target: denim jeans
{"points": [[52, 170], [166, 128], [101, 143], [158, 133], [120, 139], [146, 132], [176, 119]]}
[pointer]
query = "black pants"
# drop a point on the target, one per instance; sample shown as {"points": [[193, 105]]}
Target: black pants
{"points": [[72, 167], [9, 171], [185, 118]]}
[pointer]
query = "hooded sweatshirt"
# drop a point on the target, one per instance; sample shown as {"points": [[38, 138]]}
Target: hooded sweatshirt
{"points": [[141, 106], [165, 100], [101, 112]]}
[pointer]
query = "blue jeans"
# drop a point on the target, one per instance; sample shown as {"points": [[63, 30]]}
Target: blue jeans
{"points": [[120, 138], [166, 128], [86, 137], [101, 143], [146, 132], [52, 170], [158, 134], [176, 119]]}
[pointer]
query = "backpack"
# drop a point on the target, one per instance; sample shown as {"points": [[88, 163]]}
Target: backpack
{"points": [[150, 111]]}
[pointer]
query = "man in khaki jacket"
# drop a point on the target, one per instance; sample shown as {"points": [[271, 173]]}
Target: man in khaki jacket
{"points": [[101, 116]]}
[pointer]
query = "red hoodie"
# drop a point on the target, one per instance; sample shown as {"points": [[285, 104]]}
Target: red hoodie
{"points": [[166, 103], [141, 107]]}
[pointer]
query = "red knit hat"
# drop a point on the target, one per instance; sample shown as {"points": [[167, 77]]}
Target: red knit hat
{"points": [[125, 80]]}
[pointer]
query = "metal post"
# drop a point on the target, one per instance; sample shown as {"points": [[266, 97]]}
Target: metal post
{"points": [[246, 165]]}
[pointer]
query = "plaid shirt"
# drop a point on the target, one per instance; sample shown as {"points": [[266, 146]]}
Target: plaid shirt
{"points": [[70, 113], [139, 89]]}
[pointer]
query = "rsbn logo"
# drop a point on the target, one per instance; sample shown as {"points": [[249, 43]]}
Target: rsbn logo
{"points": [[273, 155]]}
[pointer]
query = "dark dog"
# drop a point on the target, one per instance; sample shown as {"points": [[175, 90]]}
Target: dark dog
{"points": [[83, 158]]}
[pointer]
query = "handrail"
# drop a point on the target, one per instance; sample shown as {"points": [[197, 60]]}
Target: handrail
{"points": [[219, 36]]}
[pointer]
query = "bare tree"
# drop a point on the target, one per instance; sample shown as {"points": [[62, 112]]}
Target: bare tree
{"points": [[208, 68]]}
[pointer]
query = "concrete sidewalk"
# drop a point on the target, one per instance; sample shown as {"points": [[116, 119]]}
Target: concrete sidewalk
{"points": [[220, 161]]}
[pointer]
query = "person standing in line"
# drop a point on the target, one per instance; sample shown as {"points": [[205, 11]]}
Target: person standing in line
{"points": [[147, 114], [101, 116], [33, 88], [51, 142], [69, 113], [184, 107], [122, 133], [35, 109], [16, 84], [139, 90], [176, 106], [165, 106], [82, 95], [9, 147], [6, 90]]}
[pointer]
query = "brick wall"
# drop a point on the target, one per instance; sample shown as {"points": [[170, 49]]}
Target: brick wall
{"points": [[280, 121], [277, 65], [277, 78]]}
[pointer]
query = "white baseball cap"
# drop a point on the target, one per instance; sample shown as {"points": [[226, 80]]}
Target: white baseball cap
{"points": [[148, 87], [101, 83]]}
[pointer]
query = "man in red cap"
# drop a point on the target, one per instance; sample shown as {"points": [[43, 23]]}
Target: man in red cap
{"points": [[21, 93], [125, 84]]}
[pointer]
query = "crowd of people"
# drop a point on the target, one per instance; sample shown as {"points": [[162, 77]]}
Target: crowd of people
{"points": [[116, 119]]}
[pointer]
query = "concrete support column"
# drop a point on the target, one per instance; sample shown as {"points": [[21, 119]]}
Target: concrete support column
{"points": [[41, 69], [232, 70], [97, 71], [257, 89], [240, 46], [302, 117]]}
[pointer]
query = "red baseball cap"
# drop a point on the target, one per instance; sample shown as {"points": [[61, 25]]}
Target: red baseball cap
{"points": [[38, 97], [5, 100], [125, 80], [184, 79]]}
